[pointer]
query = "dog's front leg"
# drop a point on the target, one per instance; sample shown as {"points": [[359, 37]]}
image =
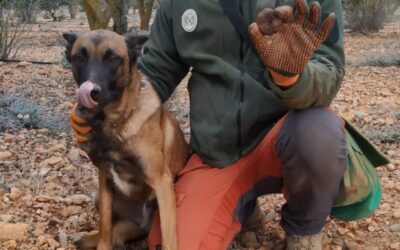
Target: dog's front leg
{"points": [[105, 210], [164, 189]]}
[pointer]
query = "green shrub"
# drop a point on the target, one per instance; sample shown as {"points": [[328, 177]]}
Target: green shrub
{"points": [[366, 16], [51, 7]]}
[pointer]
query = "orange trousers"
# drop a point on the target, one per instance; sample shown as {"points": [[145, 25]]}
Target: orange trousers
{"points": [[207, 197], [304, 156]]}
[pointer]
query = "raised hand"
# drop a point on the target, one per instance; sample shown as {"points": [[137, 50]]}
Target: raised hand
{"points": [[286, 43]]}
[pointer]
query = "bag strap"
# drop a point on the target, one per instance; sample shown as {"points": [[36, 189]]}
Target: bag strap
{"points": [[232, 11]]}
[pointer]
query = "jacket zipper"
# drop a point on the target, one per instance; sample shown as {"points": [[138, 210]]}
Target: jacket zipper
{"points": [[241, 100]]}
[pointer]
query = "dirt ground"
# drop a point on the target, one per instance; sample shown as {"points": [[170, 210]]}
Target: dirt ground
{"points": [[47, 185]]}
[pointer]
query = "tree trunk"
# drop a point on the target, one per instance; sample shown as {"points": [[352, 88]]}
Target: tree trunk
{"points": [[119, 15], [98, 16], [145, 10], [73, 8]]}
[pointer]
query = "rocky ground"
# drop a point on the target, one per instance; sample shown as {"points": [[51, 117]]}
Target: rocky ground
{"points": [[47, 184]]}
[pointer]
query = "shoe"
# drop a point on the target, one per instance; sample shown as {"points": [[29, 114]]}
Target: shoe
{"points": [[304, 242]]}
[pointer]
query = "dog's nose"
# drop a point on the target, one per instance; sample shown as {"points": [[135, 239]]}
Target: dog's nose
{"points": [[95, 93]]}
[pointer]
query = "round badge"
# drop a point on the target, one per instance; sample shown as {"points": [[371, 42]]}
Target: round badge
{"points": [[189, 20]]}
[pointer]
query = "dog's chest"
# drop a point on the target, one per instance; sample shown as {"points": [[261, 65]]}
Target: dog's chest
{"points": [[122, 184], [128, 176], [125, 167]]}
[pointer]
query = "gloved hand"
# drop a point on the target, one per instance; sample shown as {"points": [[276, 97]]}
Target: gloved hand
{"points": [[286, 44], [79, 125]]}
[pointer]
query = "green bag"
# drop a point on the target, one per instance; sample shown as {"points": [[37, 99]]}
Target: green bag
{"points": [[360, 190]]}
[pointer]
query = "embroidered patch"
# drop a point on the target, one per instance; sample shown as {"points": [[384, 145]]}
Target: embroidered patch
{"points": [[189, 20]]}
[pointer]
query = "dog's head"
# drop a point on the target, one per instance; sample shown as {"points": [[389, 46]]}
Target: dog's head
{"points": [[102, 63]]}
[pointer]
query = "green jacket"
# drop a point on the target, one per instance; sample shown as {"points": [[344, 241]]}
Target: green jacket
{"points": [[233, 100]]}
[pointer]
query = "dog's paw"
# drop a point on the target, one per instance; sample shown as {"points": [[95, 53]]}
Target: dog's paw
{"points": [[84, 240]]}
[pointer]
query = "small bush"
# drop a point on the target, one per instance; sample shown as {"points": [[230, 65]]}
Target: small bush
{"points": [[385, 136], [16, 112], [366, 16], [13, 27], [378, 60], [27, 10], [52, 6]]}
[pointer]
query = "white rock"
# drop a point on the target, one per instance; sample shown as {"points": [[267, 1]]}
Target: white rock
{"points": [[54, 160], [5, 155], [5, 218], [9, 231], [15, 193], [79, 199], [10, 244]]}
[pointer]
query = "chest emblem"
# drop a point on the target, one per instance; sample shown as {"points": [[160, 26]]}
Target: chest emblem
{"points": [[189, 20]]}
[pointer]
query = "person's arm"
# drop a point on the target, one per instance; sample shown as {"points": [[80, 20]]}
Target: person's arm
{"points": [[160, 61], [318, 81]]}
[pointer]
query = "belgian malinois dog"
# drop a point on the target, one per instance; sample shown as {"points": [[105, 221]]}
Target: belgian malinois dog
{"points": [[135, 142]]}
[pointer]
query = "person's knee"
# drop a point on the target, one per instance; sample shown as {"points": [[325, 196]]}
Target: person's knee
{"points": [[314, 139]]}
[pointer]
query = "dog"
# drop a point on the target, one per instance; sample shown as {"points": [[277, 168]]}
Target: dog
{"points": [[135, 142]]}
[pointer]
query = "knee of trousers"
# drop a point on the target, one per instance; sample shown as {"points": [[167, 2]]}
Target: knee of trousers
{"points": [[312, 144]]}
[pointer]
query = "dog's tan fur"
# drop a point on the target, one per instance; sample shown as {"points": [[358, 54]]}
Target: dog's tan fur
{"points": [[142, 128]]}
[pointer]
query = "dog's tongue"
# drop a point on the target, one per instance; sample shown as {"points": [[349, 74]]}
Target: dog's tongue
{"points": [[83, 95]]}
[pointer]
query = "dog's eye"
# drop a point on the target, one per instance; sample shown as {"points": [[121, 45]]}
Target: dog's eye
{"points": [[79, 59], [113, 61]]}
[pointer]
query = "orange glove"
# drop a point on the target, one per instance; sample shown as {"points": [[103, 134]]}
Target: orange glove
{"points": [[290, 42], [79, 125]]}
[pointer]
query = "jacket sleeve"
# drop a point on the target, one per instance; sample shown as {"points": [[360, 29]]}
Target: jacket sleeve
{"points": [[160, 61], [321, 79]]}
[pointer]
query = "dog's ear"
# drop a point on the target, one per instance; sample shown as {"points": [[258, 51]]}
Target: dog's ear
{"points": [[135, 45], [70, 37]]}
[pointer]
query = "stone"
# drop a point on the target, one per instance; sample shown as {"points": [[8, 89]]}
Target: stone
{"points": [[79, 199], [5, 218], [5, 155], [390, 185], [15, 193], [10, 244], [351, 245], [71, 210], [342, 231], [44, 170], [395, 246], [74, 156], [9, 231], [4, 189], [338, 242], [23, 64], [249, 239], [63, 238], [44, 198], [396, 214], [54, 160], [41, 240], [391, 167], [394, 228], [53, 243], [371, 228], [398, 187], [8, 137], [270, 216], [353, 224]]}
